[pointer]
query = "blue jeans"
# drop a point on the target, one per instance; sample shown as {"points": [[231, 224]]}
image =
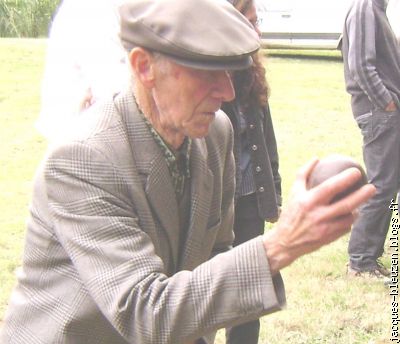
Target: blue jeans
{"points": [[381, 151]]}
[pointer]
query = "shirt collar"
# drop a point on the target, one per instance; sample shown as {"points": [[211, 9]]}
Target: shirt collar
{"points": [[177, 160]]}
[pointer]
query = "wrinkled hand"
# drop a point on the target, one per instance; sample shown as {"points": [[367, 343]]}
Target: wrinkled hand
{"points": [[309, 221]]}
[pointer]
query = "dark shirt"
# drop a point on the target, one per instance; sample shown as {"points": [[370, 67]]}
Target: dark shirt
{"points": [[177, 160], [247, 185]]}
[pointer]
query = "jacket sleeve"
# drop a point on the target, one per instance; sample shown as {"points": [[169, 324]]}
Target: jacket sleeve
{"points": [[270, 141], [98, 226], [225, 238], [360, 25]]}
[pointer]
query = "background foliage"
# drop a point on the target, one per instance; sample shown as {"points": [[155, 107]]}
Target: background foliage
{"points": [[26, 18]]}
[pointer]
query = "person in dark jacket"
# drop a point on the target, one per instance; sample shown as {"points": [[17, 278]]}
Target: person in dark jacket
{"points": [[258, 182]]}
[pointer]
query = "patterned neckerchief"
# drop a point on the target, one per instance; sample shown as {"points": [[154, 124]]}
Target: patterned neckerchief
{"points": [[177, 160]]}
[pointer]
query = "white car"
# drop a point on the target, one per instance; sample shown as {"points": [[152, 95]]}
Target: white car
{"points": [[304, 24]]}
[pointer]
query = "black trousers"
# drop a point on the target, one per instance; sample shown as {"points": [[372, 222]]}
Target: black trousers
{"points": [[247, 225]]}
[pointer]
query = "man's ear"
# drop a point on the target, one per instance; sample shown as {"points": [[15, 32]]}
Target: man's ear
{"points": [[142, 64]]}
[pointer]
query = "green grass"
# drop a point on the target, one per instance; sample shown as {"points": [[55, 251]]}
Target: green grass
{"points": [[312, 118], [21, 64], [306, 54]]}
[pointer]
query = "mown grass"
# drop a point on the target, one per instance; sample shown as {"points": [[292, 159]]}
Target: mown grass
{"points": [[21, 64], [312, 118], [308, 54]]}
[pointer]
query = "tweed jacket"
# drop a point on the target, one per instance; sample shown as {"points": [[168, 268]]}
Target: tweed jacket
{"points": [[102, 262]]}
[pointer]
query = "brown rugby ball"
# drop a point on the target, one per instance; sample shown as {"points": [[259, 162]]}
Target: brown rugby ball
{"points": [[332, 165]]}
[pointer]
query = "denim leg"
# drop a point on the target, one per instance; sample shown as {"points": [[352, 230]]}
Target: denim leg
{"points": [[381, 151]]}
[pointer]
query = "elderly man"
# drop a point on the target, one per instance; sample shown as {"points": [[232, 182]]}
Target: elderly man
{"points": [[129, 216]]}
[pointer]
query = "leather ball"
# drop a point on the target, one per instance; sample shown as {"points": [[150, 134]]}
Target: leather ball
{"points": [[332, 165]]}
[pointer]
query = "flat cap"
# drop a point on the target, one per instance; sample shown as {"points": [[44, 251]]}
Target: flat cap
{"points": [[201, 34]]}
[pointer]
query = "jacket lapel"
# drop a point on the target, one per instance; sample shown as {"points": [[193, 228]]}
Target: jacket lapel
{"points": [[202, 182], [151, 165], [153, 168], [161, 196]]}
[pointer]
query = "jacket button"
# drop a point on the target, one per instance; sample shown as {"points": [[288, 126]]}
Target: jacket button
{"points": [[258, 169], [261, 189], [254, 147]]}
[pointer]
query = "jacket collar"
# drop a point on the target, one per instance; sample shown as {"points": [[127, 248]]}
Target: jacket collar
{"points": [[158, 185]]}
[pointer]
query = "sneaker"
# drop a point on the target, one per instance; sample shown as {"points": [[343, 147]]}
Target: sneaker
{"points": [[372, 274], [387, 282], [382, 269]]}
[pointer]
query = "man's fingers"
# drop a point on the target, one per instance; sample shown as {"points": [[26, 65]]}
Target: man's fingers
{"points": [[305, 170], [302, 175], [326, 191], [338, 227], [351, 202]]}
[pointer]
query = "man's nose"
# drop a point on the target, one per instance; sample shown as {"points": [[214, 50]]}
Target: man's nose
{"points": [[224, 87]]}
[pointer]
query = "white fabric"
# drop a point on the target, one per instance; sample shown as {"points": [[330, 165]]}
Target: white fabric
{"points": [[84, 52], [393, 13]]}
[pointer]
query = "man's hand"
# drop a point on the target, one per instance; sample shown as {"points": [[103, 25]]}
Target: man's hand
{"points": [[310, 221]]}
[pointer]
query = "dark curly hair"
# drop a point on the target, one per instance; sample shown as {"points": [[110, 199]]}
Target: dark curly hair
{"points": [[251, 86]]}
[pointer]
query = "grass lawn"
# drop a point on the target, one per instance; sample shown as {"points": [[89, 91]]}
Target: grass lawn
{"points": [[21, 65], [312, 118]]}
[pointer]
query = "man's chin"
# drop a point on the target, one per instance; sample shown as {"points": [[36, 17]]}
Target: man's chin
{"points": [[200, 132], [201, 127]]}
